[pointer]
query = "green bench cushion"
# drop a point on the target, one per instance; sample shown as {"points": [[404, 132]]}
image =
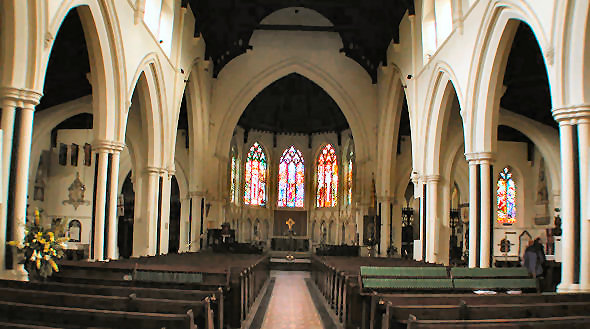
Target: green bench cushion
{"points": [[376, 283], [404, 271], [493, 272], [529, 283], [177, 277]]}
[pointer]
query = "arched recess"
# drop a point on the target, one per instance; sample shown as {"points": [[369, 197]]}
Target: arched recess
{"points": [[149, 95], [197, 100], [492, 49], [544, 138], [575, 80], [311, 71], [392, 97], [105, 55]]}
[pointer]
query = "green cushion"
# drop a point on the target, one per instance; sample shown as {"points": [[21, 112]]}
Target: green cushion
{"points": [[529, 283], [180, 277], [492, 272], [375, 283], [404, 271]]}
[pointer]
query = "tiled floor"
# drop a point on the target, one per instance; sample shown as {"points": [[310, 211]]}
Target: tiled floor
{"points": [[290, 305]]}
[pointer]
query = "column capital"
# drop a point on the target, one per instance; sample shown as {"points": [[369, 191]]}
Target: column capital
{"points": [[197, 194], [152, 170], [572, 114], [415, 177], [432, 178], [385, 198], [20, 97], [109, 146], [479, 157]]}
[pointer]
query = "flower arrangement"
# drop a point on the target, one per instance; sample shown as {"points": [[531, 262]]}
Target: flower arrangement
{"points": [[41, 248]]}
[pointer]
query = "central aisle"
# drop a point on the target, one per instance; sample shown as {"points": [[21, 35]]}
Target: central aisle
{"points": [[291, 306]]}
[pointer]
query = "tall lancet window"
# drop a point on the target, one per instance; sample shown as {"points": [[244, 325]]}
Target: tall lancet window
{"points": [[291, 178], [506, 198], [255, 176], [348, 176], [327, 188], [233, 173]]}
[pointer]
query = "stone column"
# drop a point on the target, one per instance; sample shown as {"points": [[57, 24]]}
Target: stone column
{"points": [[100, 203], [431, 217], [486, 232], [113, 190], [416, 180], [165, 211], [473, 227], [151, 204], [184, 222], [385, 201], [196, 221], [567, 206], [8, 111], [584, 155]]}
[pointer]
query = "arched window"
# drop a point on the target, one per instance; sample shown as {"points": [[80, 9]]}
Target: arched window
{"points": [[233, 173], [327, 189], [291, 178], [348, 177], [506, 198], [255, 177]]}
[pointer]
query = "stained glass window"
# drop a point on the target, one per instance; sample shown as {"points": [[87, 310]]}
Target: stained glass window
{"points": [[234, 175], [255, 176], [327, 189], [291, 178], [506, 198], [349, 167]]}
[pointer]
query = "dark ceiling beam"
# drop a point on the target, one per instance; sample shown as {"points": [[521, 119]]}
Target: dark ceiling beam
{"points": [[303, 28]]}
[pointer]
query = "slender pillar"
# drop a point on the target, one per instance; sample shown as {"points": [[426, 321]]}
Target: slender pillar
{"points": [[473, 166], [195, 244], [184, 225], [8, 111], [165, 215], [486, 233], [584, 155], [99, 214], [385, 221], [151, 207], [432, 217], [113, 216], [567, 206], [22, 171]]}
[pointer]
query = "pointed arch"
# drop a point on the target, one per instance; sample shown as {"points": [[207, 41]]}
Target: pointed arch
{"points": [[492, 49], [105, 55], [311, 71]]}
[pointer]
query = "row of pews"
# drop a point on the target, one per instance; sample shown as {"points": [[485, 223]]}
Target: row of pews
{"points": [[372, 293], [192, 290]]}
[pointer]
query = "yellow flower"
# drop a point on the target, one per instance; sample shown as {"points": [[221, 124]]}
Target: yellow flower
{"points": [[53, 265], [38, 263], [51, 236]]}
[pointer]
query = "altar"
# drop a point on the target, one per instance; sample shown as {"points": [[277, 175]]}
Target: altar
{"points": [[290, 231], [289, 244]]}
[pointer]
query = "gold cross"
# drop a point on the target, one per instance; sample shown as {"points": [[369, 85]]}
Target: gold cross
{"points": [[290, 223]]}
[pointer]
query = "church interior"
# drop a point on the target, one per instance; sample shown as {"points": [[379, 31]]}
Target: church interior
{"points": [[284, 164]]}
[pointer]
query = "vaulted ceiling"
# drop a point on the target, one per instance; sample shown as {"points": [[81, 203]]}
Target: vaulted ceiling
{"points": [[367, 27], [293, 104]]}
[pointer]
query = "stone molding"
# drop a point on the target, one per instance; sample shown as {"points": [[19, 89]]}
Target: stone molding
{"points": [[432, 178], [480, 157], [386, 198], [572, 114], [155, 170], [20, 97], [109, 146]]}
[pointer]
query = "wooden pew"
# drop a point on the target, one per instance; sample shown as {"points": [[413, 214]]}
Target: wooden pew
{"points": [[474, 299], [69, 317], [200, 309], [8, 325], [505, 278], [569, 322]]}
